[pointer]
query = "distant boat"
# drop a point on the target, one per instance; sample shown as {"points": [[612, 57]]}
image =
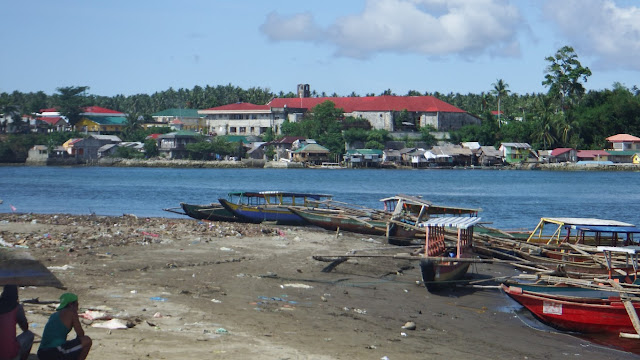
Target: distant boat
{"points": [[271, 206]]}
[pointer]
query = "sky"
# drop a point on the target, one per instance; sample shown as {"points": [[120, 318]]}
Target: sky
{"points": [[132, 47]]}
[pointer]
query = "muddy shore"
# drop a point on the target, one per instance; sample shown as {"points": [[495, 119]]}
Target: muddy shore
{"points": [[200, 290]]}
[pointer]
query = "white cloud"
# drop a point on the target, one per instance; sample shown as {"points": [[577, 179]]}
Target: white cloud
{"points": [[299, 27], [425, 27], [601, 29]]}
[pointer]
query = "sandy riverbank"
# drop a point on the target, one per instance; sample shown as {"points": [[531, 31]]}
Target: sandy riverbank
{"points": [[237, 291]]}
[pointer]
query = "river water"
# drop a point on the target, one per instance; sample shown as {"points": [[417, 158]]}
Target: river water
{"points": [[510, 199]]}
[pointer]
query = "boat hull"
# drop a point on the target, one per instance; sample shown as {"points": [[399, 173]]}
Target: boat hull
{"points": [[584, 315], [280, 215], [333, 221], [212, 212], [438, 275]]}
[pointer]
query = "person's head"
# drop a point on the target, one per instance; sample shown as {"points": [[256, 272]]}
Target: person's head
{"points": [[10, 293], [67, 300], [9, 298]]}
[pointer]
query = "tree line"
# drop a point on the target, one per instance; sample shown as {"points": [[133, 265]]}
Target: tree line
{"points": [[565, 116]]}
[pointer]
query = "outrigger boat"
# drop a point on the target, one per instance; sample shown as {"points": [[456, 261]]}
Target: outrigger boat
{"points": [[211, 212], [396, 220], [565, 245], [585, 315], [271, 206], [443, 264]]}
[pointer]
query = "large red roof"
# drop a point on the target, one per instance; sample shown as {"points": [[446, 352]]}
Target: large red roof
{"points": [[591, 153], [240, 106], [52, 120], [371, 103], [623, 138], [100, 110], [560, 151]]}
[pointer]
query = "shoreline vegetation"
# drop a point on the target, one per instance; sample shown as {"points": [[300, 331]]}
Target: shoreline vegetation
{"points": [[252, 163]]}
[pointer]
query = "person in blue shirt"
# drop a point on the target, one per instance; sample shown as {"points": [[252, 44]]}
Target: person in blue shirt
{"points": [[54, 344]]}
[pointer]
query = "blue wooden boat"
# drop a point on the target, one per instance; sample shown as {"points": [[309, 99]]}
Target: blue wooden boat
{"points": [[271, 206]]}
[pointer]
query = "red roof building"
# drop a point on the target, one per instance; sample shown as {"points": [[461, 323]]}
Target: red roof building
{"points": [[592, 155], [250, 119], [624, 142]]}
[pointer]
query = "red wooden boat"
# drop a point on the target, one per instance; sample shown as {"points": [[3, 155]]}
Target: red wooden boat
{"points": [[585, 315]]}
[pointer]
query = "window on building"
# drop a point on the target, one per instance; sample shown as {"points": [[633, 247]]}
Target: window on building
{"points": [[243, 130], [232, 130]]}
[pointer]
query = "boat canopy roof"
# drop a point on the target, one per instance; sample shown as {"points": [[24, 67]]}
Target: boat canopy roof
{"points": [[451, 221], [279, 193], [417, 202], [607, 229], [583, 221], [633, 249]]}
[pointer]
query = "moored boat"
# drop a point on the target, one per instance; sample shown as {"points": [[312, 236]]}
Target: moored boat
{"points": [[332, 219], [583, 314], [439, 267], [271, 206], [212, 212]]}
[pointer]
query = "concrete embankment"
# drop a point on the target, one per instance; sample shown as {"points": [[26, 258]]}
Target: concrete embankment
{"points": [[588, 167], [196, 163]]}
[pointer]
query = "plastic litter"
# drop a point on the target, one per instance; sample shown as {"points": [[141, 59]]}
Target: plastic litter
{"points": [[158, 298], [111, 324]]}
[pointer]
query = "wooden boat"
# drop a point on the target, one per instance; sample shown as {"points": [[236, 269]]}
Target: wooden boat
{"points": [[332, 219], [271, 206], [407, 211], [585, 315], [438, 273], [396, 219], [212, 212], [564, 245]]}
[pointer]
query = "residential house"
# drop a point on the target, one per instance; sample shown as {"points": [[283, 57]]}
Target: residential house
{"points": [[180, 119], [379, 111], [624, 142], [391, 156], [414, 157], [460, 156], [98, 120], [623, 148], [363, 158], [489, 156], [514, 153], [86, 149], [52, 123], [38, 154], [174, 144], [564, 155], [592, 155], [284, 146], [314, 154]]}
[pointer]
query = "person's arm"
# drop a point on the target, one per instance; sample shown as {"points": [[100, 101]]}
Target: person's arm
{"points": [[22, 319], [77, 327]]}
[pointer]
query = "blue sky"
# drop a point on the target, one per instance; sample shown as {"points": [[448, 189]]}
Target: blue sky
{"points": [[363, 46]]}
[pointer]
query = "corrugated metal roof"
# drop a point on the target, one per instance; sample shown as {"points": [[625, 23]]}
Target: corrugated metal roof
{"points": [[451, 221], [178, 113]]}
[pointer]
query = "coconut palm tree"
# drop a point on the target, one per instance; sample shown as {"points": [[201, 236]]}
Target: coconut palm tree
{"points": [[500, 89]]}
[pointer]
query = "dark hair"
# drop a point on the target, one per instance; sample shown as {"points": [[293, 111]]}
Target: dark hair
{"points": [[9, 298]]}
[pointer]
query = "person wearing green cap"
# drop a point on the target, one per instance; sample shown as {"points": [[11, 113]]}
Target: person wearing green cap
{"points": [[54, 344]]}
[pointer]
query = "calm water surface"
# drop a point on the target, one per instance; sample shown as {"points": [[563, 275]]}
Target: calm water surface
{"points": [[510, 199]]}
